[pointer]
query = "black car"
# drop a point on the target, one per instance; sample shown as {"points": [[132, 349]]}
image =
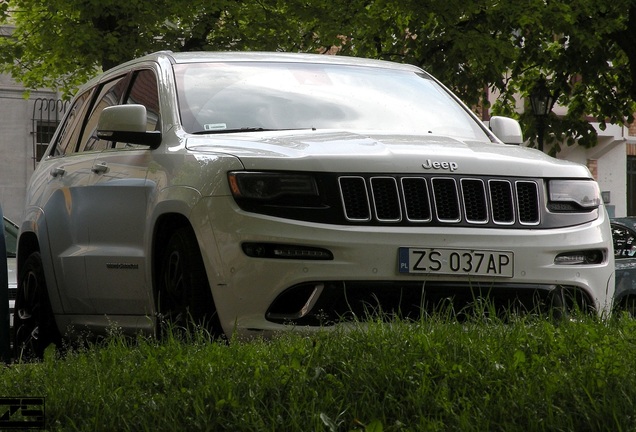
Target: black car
{"points": [[624, 235]]}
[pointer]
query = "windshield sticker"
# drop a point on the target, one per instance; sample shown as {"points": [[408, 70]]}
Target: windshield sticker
{"points": [[214, 126]]}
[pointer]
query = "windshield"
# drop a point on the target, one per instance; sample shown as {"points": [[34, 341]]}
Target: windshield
{"points": [[228, 97]]}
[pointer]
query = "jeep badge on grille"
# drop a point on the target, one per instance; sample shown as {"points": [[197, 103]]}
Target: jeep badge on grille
{"points": [[429, 164]]}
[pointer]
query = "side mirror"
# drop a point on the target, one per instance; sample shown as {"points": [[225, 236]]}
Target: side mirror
{"points": [[506, 129], [127, 123]]}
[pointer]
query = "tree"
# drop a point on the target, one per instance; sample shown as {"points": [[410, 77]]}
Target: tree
{"points": [[586, 50], [61, 43]]}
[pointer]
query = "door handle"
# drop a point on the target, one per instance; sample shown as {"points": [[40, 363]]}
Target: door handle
{"points": [[57, 172], [100, 168]]}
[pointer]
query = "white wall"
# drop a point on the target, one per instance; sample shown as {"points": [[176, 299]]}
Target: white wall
{"points": [[610, 155], [16, 145], [612, 177]]}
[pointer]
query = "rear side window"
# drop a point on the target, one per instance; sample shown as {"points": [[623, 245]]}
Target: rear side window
{"points": [[71, 128]]}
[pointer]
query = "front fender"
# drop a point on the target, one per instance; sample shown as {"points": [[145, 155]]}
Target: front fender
{"points": [[34, 236]]}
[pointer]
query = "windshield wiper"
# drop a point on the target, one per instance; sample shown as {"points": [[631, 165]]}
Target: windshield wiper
{"points": [[245, 129]]}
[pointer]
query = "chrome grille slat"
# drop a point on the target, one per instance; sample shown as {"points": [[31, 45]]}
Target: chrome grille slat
{"points": [[474, 199], [416, 198], [501, 202], [446, 199], [440, 200], [528, 202], [355, 199], [386, 199]]}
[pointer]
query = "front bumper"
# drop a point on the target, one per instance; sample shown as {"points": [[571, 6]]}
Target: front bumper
{"points": [[247, 290]]}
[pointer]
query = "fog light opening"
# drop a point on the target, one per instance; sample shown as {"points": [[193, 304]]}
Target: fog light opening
{"points": [[283, 251], [587, 257]]}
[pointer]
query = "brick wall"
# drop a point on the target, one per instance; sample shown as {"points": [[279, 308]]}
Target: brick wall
{"points": [[592, 165]]}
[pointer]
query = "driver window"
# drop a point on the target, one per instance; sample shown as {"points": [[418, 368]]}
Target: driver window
{"points": [[110, 94], [143, 91]]}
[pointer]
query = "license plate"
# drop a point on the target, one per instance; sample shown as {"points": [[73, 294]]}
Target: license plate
{"points": [[456, 262]]}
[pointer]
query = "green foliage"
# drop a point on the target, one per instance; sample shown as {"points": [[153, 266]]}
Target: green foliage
{"points": [[587, 49], [61, 43], [434, 375]]}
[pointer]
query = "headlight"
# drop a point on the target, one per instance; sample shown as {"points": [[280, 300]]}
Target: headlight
{"points": [[298, 195], [573, 195], [269, 186]]}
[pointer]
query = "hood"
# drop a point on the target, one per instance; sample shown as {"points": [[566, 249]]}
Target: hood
{"points": [[340, 151]]}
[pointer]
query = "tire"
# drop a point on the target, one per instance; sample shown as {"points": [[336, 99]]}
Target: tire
{"points": [[34, 323], [184, 297], [627, 305], [630, 307]]}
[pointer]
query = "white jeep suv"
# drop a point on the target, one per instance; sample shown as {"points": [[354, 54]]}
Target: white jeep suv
{"points": [[251, 192]]}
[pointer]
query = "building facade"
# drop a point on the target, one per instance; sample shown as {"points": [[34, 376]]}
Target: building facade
{"points": [[612, 162], [26, 123]]}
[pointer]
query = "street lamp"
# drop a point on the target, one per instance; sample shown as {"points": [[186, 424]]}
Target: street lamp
{"points": [[541, 100]]}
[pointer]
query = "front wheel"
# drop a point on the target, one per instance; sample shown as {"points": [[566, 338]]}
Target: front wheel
{"points": [[184, 296], [34, 323]]}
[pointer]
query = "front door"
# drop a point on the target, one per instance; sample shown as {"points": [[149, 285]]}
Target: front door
{"points": [[117, 261]]}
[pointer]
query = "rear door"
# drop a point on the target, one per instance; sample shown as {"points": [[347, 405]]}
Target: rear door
{"points": [[60, 190]]}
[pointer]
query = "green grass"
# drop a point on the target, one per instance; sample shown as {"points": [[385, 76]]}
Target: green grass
{"points": [[526, 374]]}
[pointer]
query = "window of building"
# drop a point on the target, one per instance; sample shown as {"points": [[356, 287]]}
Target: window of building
{"points": [[47, 114], [44, 130]]}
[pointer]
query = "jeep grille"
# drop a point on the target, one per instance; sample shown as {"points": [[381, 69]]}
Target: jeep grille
{"points": [[440, 200]]}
